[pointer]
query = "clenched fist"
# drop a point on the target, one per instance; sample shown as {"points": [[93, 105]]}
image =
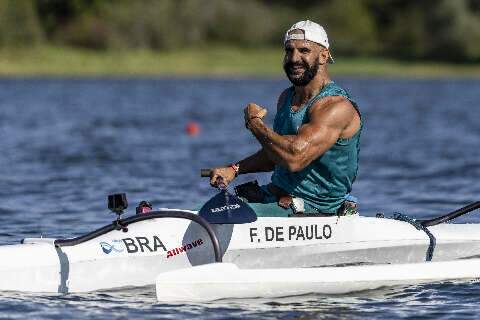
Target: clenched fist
{"points": [[253, 111]]}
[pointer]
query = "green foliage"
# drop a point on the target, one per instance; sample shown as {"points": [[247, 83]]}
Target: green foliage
{"points": [[443, 30], [18, 23], [170, 24], [457, 30], [142, 24], [349, 24], [407, 29]]}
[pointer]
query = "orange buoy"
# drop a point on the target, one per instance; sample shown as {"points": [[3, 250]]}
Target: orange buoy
{"points": [[192, 128]]}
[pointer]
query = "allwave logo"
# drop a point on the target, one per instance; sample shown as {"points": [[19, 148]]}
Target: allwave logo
{"points": [[116, 246], [184, 248], [227, 207]]}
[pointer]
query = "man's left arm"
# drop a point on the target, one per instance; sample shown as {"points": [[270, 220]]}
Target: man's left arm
{"points": [[328, 119]]}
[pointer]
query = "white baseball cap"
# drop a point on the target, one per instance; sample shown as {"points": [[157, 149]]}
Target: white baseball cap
{"points": [[311, 31]]}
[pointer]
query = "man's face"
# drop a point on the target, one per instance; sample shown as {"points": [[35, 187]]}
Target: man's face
{"points": [[301, 61]]}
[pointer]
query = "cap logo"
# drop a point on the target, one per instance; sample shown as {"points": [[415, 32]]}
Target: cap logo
{"points": [[295, 36]]}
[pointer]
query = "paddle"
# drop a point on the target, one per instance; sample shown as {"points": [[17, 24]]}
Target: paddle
{"points": [[225, 208], [452, 215]]}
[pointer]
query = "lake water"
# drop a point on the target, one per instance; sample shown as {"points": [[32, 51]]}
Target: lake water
{"points": [[68, 143]]}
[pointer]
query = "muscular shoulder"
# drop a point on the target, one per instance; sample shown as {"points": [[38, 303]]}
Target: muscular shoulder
{"points": [[282, 98], [334, 105], [338, 112]]}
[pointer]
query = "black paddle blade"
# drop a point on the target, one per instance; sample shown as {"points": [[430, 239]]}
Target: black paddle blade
{"points": [[225, 208]]}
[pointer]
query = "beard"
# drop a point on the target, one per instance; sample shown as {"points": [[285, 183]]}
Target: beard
{"points": [[303, 79]]}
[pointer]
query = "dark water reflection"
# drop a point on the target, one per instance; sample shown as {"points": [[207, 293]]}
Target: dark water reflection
{"points": [[457, 300], [66, 144]]}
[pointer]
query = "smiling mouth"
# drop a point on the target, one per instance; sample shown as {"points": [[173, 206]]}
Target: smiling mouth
{"points": [[297, 69]]}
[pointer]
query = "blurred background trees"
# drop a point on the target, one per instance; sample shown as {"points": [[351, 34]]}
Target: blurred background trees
{"points": [[444, 30]]}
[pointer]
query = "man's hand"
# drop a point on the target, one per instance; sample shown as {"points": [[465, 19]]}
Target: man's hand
{"points": [[253, 111], [225, 175]]}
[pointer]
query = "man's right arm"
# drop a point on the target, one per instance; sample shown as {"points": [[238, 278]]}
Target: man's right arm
{"points": [[257, 162]]}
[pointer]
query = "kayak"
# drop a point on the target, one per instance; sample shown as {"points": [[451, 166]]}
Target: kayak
{"points": [[135, 250]]}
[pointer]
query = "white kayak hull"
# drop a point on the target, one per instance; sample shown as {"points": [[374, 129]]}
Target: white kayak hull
{"points": [[227, 281], [151, 247]]}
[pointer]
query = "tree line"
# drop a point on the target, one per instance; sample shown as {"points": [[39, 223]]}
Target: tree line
{"points": [[444, 30]]}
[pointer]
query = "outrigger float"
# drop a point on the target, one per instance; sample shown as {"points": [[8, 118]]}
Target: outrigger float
{"points": [[227, 252]]}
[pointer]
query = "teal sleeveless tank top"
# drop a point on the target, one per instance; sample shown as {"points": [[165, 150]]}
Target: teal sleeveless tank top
{"points": [[325, 182]]}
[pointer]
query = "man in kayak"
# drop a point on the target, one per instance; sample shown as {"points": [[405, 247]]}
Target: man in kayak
{"points": [[313, 147]]}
